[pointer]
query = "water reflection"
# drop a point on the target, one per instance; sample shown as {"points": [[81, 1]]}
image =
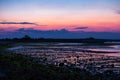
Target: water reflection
{"points": [[115, 49]]}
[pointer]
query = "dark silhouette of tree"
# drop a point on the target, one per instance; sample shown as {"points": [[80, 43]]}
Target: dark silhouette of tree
{"points": [[26, 37]]}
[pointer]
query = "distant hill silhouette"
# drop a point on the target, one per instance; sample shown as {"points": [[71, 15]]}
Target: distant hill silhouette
{"points": [[63, 33]]}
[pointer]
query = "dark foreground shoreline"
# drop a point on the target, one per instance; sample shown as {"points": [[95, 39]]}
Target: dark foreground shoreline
{"points": [[20, 67]]}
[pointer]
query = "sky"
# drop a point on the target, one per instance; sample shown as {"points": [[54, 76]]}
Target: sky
{"points": [[73, 15]]}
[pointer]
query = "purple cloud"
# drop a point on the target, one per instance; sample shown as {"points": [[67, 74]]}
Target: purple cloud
{"points": [[23, 23], [118, 11], [16, 23], [81, 28]]}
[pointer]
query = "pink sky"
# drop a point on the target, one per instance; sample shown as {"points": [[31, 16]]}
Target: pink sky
{"points": [[97, 15]]}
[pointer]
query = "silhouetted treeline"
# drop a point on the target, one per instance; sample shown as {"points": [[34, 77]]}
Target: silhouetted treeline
{"points": [[26, 38]]}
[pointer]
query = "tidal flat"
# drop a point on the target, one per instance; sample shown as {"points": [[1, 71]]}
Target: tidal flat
{"points": [[93, 58]]}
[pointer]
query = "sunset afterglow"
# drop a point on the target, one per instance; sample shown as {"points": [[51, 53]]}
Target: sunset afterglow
{"points": [[97, 15]]}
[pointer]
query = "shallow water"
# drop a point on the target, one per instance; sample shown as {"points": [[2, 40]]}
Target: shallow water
{"points": [[69, 47], [115, 48]]}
